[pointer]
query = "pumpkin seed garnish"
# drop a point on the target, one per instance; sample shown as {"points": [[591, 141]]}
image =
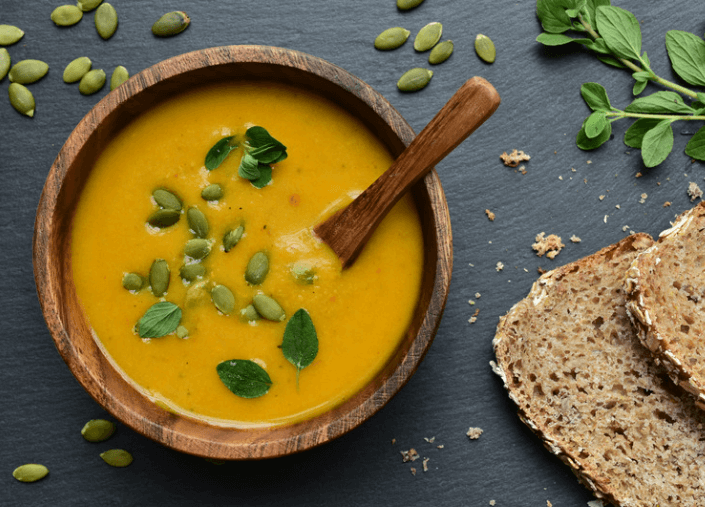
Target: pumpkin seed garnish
{"points": [[303, 273], [163, 218], [268, 308], [21, 99], [484, 47], [117, 457], [78, 68], [197, 248], [66, 15], [441, 52], [9, 35], [249, 314], [166, 199], [428, 36], [30, 472], [223, 299], [120, 75], [414, 79], [106, 20], [5, 61], [92, 82], [391, 38], [88, 5], [232, 238], [191, 272], [405, 5], [182, 332], [171, 23], [213, 192], [159, 276], [28, 71], [98, 430], [257, 268], [133, 282], [197, 222]]}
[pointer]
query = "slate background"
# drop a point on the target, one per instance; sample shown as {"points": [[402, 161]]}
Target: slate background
{"points": [[43, 408]]}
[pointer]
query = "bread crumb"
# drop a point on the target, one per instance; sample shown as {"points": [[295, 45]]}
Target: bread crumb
{"points": [[617, 206], [560, 177], [643, 198], [548, 503], [575, 239], [492, 502], [477, 295], [522, 169], [666, 204], [605, 219], [413, 471], [694, 191], [595, 503], [472, 320], [490, 215], [589, 162], [440, 446], [602, 197], [410, 455], [514, 158], [430, 440], [474, 433], [541, 270], [394, 441], [551, 245], [471, 302], [425, 464], [573, 169], [499, 266]]}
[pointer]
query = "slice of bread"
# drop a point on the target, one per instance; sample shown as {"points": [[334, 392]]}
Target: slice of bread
{"points": [[666, 300], [585, 384]]}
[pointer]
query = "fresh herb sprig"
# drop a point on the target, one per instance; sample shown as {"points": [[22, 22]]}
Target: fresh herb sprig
{"points": [[614, 34]]}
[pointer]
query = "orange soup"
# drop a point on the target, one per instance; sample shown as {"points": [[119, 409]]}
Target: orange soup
{"points": [[360, 314]]}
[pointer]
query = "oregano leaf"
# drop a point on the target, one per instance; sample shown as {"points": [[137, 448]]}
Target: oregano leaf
{"points": [[595, 124], [599, 46], [300, 344], [610, 60], [263, 147], [244, 378], [159, 320], [265, 176], [595, 96], [634, 135], [687, 54], [559, 39], [659, 103], [249, 167], [639, 87], [620, 30], [552, 15], [586, 143], [591, 8], [696, 146], [641, 76], [657, 144], [219, 152]]}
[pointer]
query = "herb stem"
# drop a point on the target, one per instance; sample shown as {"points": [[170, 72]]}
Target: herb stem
{"points": [[617, 115]]}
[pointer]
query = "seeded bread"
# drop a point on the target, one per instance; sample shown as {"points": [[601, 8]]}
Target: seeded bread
{"points": [[585, 384], [666, 300]]}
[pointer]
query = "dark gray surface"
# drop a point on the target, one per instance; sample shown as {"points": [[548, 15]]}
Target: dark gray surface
{"points": [[44, 408]]}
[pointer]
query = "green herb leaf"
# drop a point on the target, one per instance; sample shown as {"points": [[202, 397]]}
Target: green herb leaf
{"points": [[639, 87], [599, 46], [609, 60], [620, 30], [595, 124], [657, 144], [300, 344], [552, 15], [641, 76], [558, 39], [219, 152], [595, 96], [659, 103], [586, 143], [687, 54], [265, 176], [249, 167], [160, 319], [244, 378], [696, 146], [591, 8], [264, 147], [634, 135], [701, 97]]}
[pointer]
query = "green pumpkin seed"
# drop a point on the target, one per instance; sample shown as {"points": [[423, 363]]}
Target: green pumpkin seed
{"points": [[232, 238], [21, 99], [303, 273], [9, 35], [117, 457], [92, 82], [159, 276], [5, 61], [28, 71], [75, 70], [428, 36], [30, 472], [197, 222], [163, 218], [414, 79], [171, 23], [484, 47], [66, 15], [120, 75], [223, 299], [257, 268], [268, 308], [391, 38], [212, 192], [249, 314], [133, 282], [191, 272], [88, 5], [166, 199], [197, 248], [405, 5], [98, 430], [182, 332], [441, 52], [106, 20]]}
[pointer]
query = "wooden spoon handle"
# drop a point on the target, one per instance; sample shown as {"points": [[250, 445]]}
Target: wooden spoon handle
{"points": [[348, 230]]}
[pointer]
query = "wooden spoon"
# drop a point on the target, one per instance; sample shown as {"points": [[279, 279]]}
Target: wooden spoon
{"points": [[347, 231]]}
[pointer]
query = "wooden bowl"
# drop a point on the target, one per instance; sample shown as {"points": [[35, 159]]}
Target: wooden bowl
{"points": [[52, 247]]}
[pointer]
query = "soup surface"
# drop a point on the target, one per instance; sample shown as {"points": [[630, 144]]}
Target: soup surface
{"points": [[360, 314]]}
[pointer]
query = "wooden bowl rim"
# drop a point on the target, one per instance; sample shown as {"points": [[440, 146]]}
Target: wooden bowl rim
{"points": [[265, 442]]}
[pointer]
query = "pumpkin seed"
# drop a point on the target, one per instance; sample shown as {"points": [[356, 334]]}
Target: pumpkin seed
{"points": [[163, 218], [249, 314], [441, 52], [212, 192], [171, 23], [5, 61], [159, 275], [391, 38], [232, 238], [66, 15], [191, 272], [120, 75], [88, 5], [30, 472], [9, 35], [223, 299], [117, 457], [28, 71], [166, 199], [98, 430], [268, 308], [428, 36], [182, 332], [197, 222], [414, 79], [106, 20], [21, 99], [405, 5], [92, 82], [484, 47], [133, 282], [75, 70], [197, 248], [303, 273], [257, 268]]}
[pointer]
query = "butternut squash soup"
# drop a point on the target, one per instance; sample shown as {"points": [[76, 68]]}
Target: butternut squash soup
{"points": [[194, 259]]}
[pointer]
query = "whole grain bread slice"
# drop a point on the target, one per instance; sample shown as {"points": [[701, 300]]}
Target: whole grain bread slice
{"points": [[666, 300], [584, 383]]}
